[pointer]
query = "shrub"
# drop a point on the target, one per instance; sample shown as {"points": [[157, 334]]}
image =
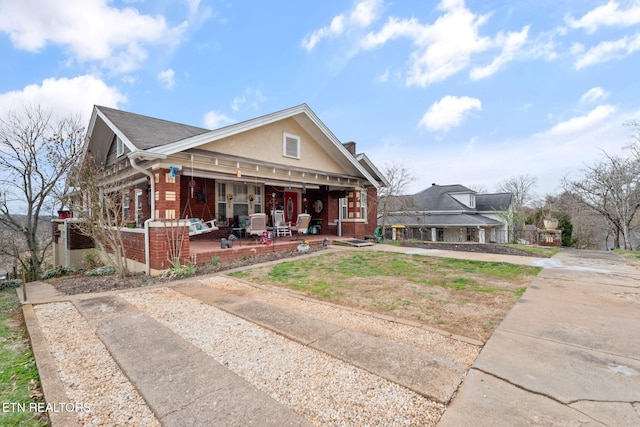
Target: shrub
{"points": [[101, 271], [215, 260], [92, 259], [10, 284], [178, 270], [58, 272]]}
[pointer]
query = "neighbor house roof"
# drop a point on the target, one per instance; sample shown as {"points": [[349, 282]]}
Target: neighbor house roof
{"points": [[441, 220], [437, 198], [436, 206], [493, 202]]}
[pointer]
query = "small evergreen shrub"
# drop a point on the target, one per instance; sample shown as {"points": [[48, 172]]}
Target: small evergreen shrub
{"points": [[10, 284], [58, 272]]}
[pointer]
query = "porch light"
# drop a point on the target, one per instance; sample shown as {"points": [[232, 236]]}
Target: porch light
{"points": [[239, 174]]}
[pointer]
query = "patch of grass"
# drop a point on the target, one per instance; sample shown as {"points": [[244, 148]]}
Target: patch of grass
{"points": [[441, 291], [19, 380], [538, 250], [629, 253], [502, 270]]}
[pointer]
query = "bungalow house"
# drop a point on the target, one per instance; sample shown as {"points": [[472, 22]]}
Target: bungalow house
{"points": [[452, 213], [287, 161]]}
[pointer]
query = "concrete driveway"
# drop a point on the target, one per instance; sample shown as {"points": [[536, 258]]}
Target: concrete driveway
{"points": [[568, 353]]}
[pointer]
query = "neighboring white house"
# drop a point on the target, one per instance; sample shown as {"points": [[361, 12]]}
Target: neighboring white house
{"points": [[453, 213]]}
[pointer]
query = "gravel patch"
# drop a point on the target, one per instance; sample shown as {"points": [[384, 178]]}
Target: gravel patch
{"points": [[322, 389], [411, 336], [90, 376]]}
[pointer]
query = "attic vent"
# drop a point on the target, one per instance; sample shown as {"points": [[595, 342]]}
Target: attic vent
{"points": [[291, 145]]}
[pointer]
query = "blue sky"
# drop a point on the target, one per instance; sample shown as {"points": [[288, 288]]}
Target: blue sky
{"points": [[462, 92]]}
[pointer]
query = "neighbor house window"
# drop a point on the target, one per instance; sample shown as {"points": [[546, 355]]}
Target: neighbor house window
{"points": [[290, 145]]}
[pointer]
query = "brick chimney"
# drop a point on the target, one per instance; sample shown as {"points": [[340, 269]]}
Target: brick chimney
{"points": [[351, 147]]}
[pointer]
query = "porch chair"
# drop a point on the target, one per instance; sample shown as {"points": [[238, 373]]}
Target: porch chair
{"points": [[198, 226], [302, 225], [282, 227], [257, 224]]}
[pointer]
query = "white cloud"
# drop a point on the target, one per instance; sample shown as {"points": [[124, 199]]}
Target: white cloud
{"points": [[66, 97], [90, 30], [443, 48], [362, 15], [511, 44], [594, 94], [607, 15], [167, 78], [450, 111], [251, 97], [581, 123], [214, 120], [608, 50]]}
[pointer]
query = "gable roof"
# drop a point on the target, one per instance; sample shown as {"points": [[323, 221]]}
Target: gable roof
{"points": [[161, 138], [437, 198], [148, 132], [493, 202]]}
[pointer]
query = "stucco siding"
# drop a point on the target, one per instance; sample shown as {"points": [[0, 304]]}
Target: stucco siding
{"points": [[265, 144]]}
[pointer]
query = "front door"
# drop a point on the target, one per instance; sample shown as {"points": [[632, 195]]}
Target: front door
{"points": [[290, 206]]}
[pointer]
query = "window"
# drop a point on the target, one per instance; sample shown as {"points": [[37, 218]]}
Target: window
{"points": [[125, 205], [343, 208], [138, 206], [257, 199], [290, 145], [222, 201], [119, 147], [363, 204]]}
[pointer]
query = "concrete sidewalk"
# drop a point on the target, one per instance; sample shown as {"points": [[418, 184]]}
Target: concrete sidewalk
{"points": [[568, 353]]}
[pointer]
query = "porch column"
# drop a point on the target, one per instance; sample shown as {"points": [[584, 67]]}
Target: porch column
{"points": [[433, 234], [167, 195], [481, 237]]}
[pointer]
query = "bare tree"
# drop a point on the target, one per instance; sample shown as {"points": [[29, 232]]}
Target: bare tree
{"points": [[611, 188], [390, 198], [36, 152], [521, 186], [98, 204]]}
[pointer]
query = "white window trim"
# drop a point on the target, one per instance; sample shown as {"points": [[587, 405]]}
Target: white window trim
{"points": [[363, 205], [286, 135]]}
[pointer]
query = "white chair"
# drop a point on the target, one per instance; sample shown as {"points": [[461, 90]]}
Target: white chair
{"points": [[198, 226], [282, 227], [257, 224], [302, 225]]}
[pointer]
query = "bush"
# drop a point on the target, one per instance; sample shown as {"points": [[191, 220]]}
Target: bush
{"points": [[92, 259], [178, 270], [58, 272], [10, 284], [101, 271]]}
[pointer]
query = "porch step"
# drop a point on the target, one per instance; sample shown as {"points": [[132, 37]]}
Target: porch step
{"points": [[353, 242]]}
